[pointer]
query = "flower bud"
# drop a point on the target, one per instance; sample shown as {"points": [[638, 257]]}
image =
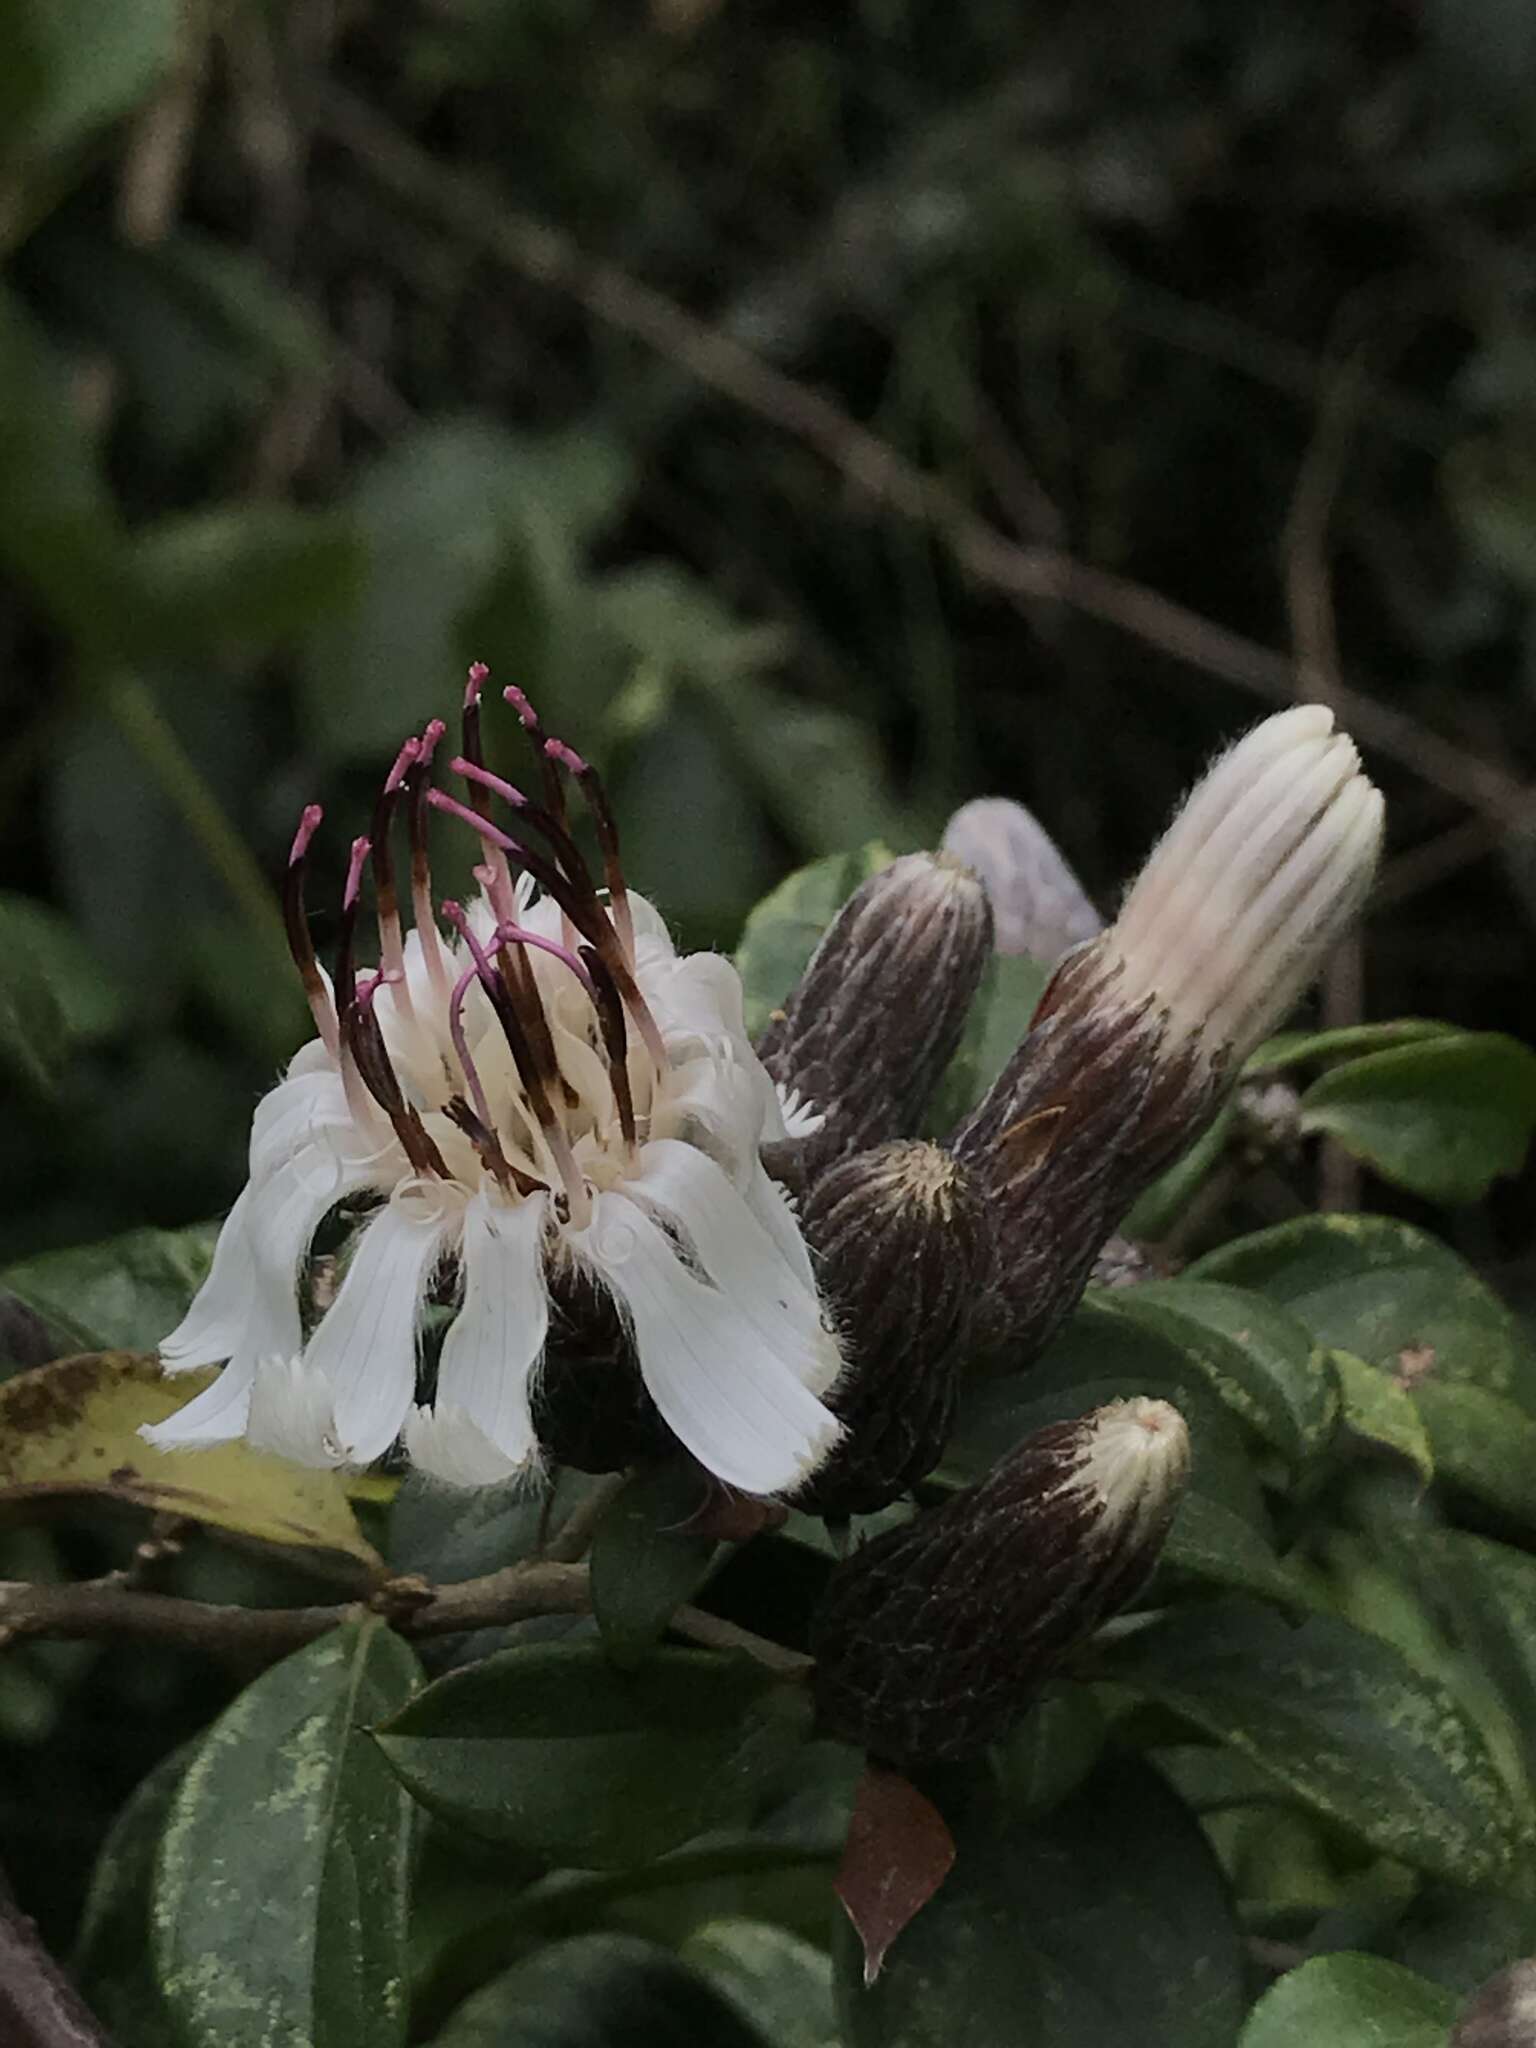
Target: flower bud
{"points": [[931, 1639], [903, 1254], [877, 1015], [1140, 1034], [1503, 2013], [1039, 907]]}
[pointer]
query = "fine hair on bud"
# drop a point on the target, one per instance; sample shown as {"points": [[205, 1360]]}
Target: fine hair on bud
{"points": [[1502, 2013], [1142, 1032], [932, 1639], [877, 1015], [902, 1246]]}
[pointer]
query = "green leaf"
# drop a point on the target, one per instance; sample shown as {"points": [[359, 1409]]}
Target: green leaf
{"points": [[1261, 1360], [1482, 1443], [1209, 1542], [1344, 1721], [1379, 1407], [645, 1563], [597, 1991], [284, 1870], [1293, 1048], [785, 929], [70, 1430], [1391, 1294], [1484, 1596], [112, 1961], [243, 575], [1350, 2001], [552, 1748], [779, 1983], [1100, 1356], [123, 1294], [997, 1021], [1104, 1924], [1444, 1117], [36, 940]]}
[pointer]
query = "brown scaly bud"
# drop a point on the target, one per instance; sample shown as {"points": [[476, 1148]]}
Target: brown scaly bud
{"points": [[1503, 2013], [1141, 1032], [876, 1017], [1039, 907], [590, 1406], [903, 1253], [931, 1640]]}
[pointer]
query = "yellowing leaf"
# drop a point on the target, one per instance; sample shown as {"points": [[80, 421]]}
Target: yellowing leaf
{"points": [[73, 1428]]}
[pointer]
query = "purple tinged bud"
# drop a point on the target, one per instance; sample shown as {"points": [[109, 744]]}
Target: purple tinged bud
{"points": [[931, 1640], [903, 1251], [876, 1017], [1038, 904]]}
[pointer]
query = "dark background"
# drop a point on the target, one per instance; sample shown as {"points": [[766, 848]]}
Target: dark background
{"points": [[825, 413]]}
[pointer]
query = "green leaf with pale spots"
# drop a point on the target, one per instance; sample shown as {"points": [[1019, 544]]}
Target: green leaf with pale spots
{"points": [[282, 1882], [1391, 1294], [785, 929], [1379, 1407], [1482, 1443], [1350, 2001], [1260, 1359], [70, 1430], [1341, 1719]]}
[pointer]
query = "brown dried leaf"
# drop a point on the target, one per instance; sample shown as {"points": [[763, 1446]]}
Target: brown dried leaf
{"points": [[899, 1851]]}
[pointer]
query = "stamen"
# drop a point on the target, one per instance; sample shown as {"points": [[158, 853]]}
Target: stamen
{"points": [[300, 944], [590, 784], [503, 896], [488, 1146], [533, 1087], [584, 911], [528, 719], [379, 1078], [549, 828], [610, 1022], [391, 941], [456, 1032], [522, 937], [419, 781], [346, 972]]}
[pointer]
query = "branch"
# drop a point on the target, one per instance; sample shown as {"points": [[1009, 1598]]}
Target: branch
{"points": [[878, 473], [111, 1609], [39, 2007]]}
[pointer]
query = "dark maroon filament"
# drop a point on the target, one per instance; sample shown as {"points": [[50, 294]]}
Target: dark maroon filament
{"points": [[610, 1022], [346, 965], [366, 1041], [295, 921]]}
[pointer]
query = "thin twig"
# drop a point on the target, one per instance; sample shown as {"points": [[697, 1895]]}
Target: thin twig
{"points": [[110, 1609], [39, 2007], [879, 474], [573, 1538]]}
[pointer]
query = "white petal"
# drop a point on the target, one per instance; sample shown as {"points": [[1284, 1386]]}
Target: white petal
{"points": [[726, 1395], [366, 1343], [215, 1416], [801, 1119], [739, 1255], [498, 1335], [774, 1210], [291, 1414], [220, 1313], [309, 1103], [446, 1444]]}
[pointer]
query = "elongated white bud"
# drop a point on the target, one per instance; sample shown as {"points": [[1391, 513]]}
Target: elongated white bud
{"points": [[1253, 881], [1038, 904]]}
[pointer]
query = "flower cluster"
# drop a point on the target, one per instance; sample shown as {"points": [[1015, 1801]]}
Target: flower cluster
{"points": [[545, 1121]]}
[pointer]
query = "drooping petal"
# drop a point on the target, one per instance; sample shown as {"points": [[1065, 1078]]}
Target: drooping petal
{"points": [[215, 1416], [686, 1188], [366, 1343], [773, 1209], [498, 1334], [213, 1326], [447, 1445], [726, 1395], [292, 1414], [307, 1104]]}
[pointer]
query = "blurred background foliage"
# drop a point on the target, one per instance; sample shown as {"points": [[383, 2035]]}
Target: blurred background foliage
{"points": [[826, 414]]}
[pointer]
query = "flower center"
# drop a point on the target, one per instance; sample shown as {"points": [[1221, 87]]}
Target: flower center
{"points": [[526, 1053]]}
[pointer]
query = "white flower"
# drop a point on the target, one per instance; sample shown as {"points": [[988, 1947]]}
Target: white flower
{"points": [[552, 1086], [1263, 868]]}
